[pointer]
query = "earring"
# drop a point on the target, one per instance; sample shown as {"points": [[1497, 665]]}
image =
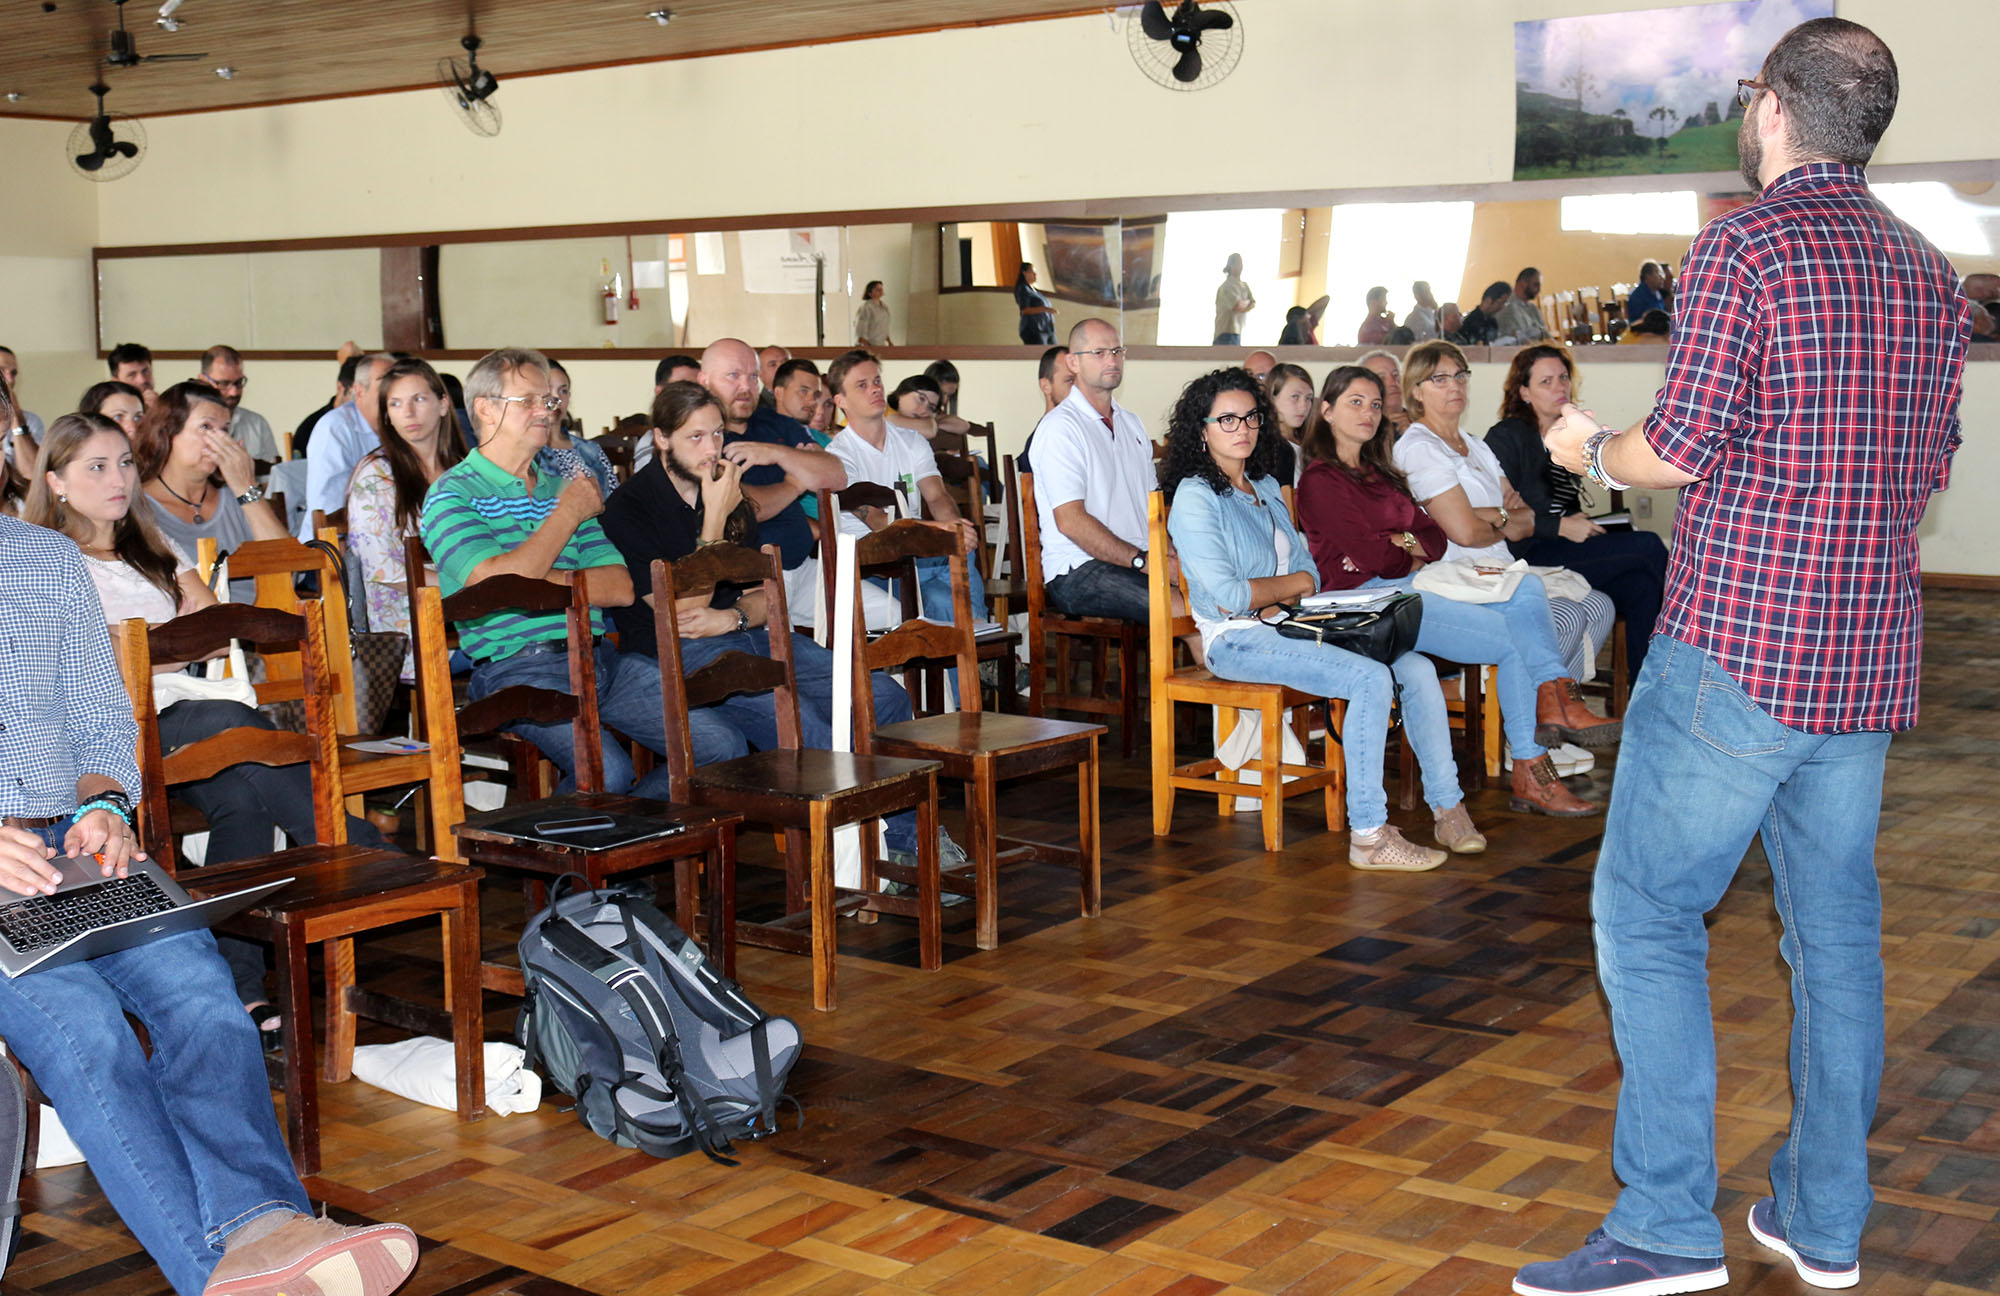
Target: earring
{"points": [[62, 499]]}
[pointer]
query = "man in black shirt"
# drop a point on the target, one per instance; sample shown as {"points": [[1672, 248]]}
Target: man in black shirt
{"points": [[1482, 324]]}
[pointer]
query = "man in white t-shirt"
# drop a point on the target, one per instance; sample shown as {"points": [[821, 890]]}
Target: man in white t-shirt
{"points": [[1233, 300], [873, 449], [1093, 469]]}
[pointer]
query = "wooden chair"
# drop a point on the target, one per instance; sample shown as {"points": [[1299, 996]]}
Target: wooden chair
{"points": [[1171, 684], [805, 793], [964, 483], [1008, 594], [1052, 631], [618, 448], [977, 748], [338, 892]]}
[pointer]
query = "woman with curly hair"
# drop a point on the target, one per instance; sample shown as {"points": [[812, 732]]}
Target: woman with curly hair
{"points": [[1243, 559], [1364, 529]]}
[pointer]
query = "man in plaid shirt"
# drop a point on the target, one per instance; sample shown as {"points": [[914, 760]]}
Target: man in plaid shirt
{"points": [[1810, 410]]}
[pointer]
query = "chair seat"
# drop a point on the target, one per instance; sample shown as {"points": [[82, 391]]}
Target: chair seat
{"points": [[809, 775], [983, 732], [327, 878], [1197, 684]]}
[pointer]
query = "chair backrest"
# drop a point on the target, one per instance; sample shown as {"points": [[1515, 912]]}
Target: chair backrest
{"points": [[733, 672], [856, 495], [198, 635], [276, 566], [1011, 502], [944, 442], [337, 520], [1031, 570], [618, 448], [564, 593], [915, 639], [1163, 627]]}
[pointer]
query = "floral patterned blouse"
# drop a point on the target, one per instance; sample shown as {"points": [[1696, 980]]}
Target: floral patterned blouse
{"points": [[375, 543]]}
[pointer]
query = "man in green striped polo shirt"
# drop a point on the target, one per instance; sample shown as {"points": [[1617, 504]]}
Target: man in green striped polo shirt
{"points": [[495, 514]]}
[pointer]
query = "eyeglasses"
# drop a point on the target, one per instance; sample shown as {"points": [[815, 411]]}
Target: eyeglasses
{"points": [[229, 384], [1444, 378], [1746, 90], [549, 403], [1230, 422], [1116, 353]]}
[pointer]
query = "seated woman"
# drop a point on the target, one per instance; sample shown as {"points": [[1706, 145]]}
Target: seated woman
{"points": [[120, 402], [1291, 391], [183, 442], [1241, 557], [87, 488], [1629, 566], [17, 450], [567, 434], [385, 496], [1459, 482], [1364, 529]]}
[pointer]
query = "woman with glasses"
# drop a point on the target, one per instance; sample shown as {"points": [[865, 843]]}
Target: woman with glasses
{"points": [[385, 494], [1365, 530], [1630, 567], [1243, 559], [1460, 483]]}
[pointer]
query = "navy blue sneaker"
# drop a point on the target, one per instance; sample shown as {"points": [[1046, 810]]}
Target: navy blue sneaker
{"points": [[1764, 1227], [1603, 1264]]}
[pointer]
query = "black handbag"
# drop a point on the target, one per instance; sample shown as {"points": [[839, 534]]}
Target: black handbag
{"points": [[1383, 633]]}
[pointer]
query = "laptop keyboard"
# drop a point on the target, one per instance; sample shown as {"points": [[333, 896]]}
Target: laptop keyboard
{"points": [[38, 922]]}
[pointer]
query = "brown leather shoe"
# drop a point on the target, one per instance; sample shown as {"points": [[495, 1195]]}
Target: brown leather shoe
{"points": [[1455, 831], [1539, 789], [1561, 717], [313, 1256]]}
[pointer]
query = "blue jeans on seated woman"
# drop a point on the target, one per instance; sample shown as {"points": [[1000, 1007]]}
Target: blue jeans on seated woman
{"points": [[185, 1144], [1260, 655], [1516, 637], [628, 700]]}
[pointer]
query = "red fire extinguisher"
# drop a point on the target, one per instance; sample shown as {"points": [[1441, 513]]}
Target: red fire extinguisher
{"points": [[610, 304]]}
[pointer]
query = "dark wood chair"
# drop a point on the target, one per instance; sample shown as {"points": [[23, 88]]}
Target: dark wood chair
{"points": [[806, 794], [338, 891], [978, 748], [1051, 634]]}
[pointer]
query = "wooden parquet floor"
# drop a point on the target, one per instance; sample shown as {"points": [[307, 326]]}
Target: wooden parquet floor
{"points": [[1256, 1072]]}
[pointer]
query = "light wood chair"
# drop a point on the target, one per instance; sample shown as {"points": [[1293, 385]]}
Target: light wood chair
{"points": [[979, 749], [1051, 633], [805, 793], [1171, 684]]}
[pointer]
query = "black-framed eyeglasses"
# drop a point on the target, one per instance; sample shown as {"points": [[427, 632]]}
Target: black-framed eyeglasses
{"points": [[1230, 422], [1747, 88]]}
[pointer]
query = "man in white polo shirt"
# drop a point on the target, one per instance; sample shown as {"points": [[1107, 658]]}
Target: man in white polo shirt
{"points": [[1093, 469]]}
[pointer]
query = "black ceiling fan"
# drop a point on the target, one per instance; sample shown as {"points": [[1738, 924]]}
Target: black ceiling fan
{"points": [[124, 53], [107, 146]]}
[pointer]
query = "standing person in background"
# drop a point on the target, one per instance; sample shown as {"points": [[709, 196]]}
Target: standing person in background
{"points": [[871, 322], [1038, 318], [1811, 408], [222, 369], [1233, 300]]}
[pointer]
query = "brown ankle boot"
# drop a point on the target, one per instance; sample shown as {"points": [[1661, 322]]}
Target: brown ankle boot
{"points": [[1539, 789], [1561, 717]]}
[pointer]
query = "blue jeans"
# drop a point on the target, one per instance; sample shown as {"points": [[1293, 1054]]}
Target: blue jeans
{"points": [[1099, 588], [1260, 655], [185, 1145], [755, 715], [934, 588], [628, 700], [1227, 339], [1630, 566], [1703, 771], [1515, 637]]}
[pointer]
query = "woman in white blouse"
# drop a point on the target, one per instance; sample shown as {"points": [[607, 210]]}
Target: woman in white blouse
{"points": [[86, 485]]}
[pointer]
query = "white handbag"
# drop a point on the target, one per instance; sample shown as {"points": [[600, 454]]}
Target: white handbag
{"points": [[1465, 581]]}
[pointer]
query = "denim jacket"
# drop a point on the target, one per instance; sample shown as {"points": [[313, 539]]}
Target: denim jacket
{"points": [[1225, 541]]}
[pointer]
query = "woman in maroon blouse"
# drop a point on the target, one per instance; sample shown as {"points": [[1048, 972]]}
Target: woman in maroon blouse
{"points": [[1365, 529]]}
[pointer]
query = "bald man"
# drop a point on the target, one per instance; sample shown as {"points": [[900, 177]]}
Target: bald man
{"points": [[1260, 364], [768, 360], [780, 459]]}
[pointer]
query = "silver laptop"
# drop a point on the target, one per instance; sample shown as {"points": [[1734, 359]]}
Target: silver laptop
{"points": [[90, 915]]}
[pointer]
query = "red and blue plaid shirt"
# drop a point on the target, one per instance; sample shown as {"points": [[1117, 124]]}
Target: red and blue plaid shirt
{"points": [[1813, 387]]}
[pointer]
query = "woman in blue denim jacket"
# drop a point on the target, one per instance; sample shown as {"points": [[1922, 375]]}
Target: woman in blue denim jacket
{"points": [[1241, 555]]}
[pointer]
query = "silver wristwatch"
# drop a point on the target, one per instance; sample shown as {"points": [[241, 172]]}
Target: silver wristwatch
{"points": [[251, 496]]}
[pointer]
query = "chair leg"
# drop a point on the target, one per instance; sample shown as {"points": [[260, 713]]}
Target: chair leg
{"points": [[930, 904], [1129, 677], [982, 812], [1272, 793], [1225, 724], [1089, 864], [722, 902], [1161, 741], [464, 1000], [824, 950], [301, 1077], [1335, 758], [339, 1061], [1471, 778], [798, 856]]}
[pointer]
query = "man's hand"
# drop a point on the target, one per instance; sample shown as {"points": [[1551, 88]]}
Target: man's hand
{"points": [[238, 469], [24, 863], [1566, 436], [971, 533], [721, 492], [705, 622], [1577, 528], [581, 497], [103, 834], [752, 454]]}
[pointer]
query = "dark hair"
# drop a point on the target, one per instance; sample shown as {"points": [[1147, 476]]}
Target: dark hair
{"points": [[1654, 321], [836, 373], [673, 405], [406, 472], [1278, 375], [1046, 370], [873, 284], [225, 354], [916, 383], [135, 538], [12, 484], [1512, 404], [1650, 267], [93, 398], [1021, 275], [555, 366], [1187, 443], [349, 367], [127, 353], [9, 350], [456, 390], [942, 372], [671, 363], [1838, 83], [1400, 336], [154, 439], [1527, 272], [1293, 314], [791, 369], [1377, 456], [1498, 288]]}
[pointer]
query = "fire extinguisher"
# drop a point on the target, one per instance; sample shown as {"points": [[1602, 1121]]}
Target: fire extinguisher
{"points": [[610, 304]]}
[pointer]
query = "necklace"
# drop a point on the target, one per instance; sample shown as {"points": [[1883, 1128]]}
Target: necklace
{"points": [[194, 506]]}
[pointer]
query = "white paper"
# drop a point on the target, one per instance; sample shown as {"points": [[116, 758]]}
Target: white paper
{"points": [[649, 274], [785, 260]]}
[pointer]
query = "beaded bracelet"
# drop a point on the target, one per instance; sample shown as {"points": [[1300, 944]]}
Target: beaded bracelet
{"points": [[119, 806], [1593, 460]]}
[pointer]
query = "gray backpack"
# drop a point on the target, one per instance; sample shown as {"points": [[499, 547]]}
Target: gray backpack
{"points": [[627, 1015]]}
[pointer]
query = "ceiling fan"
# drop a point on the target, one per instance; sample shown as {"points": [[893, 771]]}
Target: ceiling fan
{"points": [[124, 53], [470, 88], [107, 146], [1170, 48]]}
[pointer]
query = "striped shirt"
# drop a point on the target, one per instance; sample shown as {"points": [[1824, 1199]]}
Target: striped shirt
{"points": [[1813, 388], [477, 510], [64, 711]]}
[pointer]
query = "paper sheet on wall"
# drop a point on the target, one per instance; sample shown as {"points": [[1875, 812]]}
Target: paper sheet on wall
{"points": [[784, 260]]}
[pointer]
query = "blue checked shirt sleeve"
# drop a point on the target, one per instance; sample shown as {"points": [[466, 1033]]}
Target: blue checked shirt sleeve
{"points": [[1709, 368], [96, 711]]}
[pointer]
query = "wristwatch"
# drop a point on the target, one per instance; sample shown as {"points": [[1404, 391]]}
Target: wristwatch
{"points": [[1503, 517], [251, 496], [742, 622], [1138, 562]]}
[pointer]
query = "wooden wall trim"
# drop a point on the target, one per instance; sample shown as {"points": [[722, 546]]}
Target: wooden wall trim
{"points": [[1962, 581]]}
